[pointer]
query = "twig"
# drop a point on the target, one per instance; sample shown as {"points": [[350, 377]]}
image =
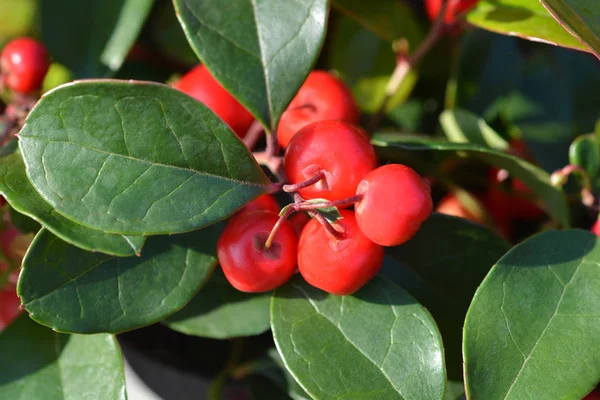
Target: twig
{"points": [[253, 134]]}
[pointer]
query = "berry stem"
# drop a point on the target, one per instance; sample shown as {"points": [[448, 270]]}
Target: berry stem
{"points": [[253, 134], [320, 219], [337, 203], [405, 63], [277, 225], [301, 185]]}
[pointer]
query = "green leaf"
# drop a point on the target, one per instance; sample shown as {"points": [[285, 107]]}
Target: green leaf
{"points": [[136, 159], [585, 152], [22, 197], [369, 74], [92, 38], [71, 290], [39, 364], [533, 328], [442, 266], [455, 391], [389, 19], [526, 19], [265, 56], [462, 126], [581, 18], [220, 311], [368, 345], [168, 35], [536, 179]]}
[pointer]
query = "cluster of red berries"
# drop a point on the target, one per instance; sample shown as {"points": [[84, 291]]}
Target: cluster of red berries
{"points": [[328, 164], [24, 63]]}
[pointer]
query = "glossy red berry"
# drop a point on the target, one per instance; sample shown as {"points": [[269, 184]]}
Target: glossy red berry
{"points": [[201, 85], [24, 63], [321, 97], [10, 306], [339, 149], [265, 202], [247, 264], [454, 8], [298, 221], [596, 228], [594, 395], [395, 202], [338, 266]]}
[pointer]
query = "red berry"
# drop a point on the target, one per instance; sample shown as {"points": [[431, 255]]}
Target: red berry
{"points": [[454, 8], [200, 84], [298, 221], [247, 265], [594, 395], [339, 149], [321, 97], [338, 266], [396, 201], [10, 306], [24, 63], [265, 202], [596, 228]]}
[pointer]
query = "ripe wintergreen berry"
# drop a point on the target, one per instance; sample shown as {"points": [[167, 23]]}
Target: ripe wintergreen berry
{"points": [[454, 8], [24, 63], [341, 265], [201, 85], [395, 202], [246, 262], [333, 156], [265, 202], [321, 97]]}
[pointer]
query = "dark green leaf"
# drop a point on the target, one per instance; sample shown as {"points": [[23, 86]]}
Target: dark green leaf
{"points": [[581, 18], [39, 364], [9, 147], [533, 328], [71, 290], [21, 196], [535, 178], [368, 345], [369, 74], [585, 152], [526, 19], [389, 19], [442, 266], [23, 223], [220, 311], [264, 57], [136, 159], [462, 126], [455, 390], [92, 38], [168, 35]]}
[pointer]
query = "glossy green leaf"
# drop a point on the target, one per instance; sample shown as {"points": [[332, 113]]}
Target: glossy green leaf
{"points": [[455, 390], [17, 190], [389, 19], [39, 364], [92, 38], [526, 19], [220, 311], [369, 74], [536, 179], [533, 329], [585, 152], [265, 55], [462, 126], [442, 266], [368, 345], [71, 290], [133, 158], [581, 18]]}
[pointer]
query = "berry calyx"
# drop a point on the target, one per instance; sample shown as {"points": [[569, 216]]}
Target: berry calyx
{"points": [[396, 201], [454, 8], [201, 85], [338, 152], [23, 64], [246, 262], [338, 266], [321, 97]]}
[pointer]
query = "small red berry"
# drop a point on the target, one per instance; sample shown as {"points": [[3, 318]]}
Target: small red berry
{"points": [[454, 8], [201, 85], [396, 201], [594, 395], [265, 202], [299, 221], [596, 228], [321, 97], [338, 149], [24, 63], [338, 266], [247, 264], [10, 306]]}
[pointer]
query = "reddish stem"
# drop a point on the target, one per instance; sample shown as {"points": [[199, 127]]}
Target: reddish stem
{"points": [[339, 235], [337, 203], [301, 185], [253, 134], [277, 225]]}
